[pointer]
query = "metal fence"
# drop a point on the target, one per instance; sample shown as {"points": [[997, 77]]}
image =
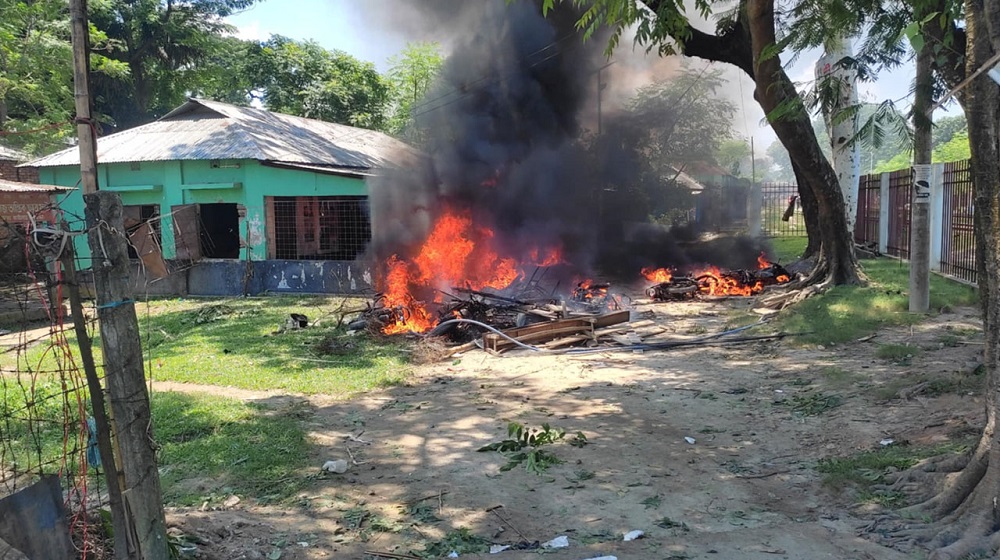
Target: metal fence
{"points": [[866, 225], [958, 242], [898, 244], [777, 199]]}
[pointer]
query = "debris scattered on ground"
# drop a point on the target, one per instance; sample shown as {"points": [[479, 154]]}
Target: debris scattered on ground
{"points": [[338, 466], [633, 535]]}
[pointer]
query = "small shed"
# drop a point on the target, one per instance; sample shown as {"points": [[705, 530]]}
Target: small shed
{"points": [[240, 200], [19, 202]]}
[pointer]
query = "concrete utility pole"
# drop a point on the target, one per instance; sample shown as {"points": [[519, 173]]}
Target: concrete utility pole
{"points": [[920, 225], [140, 531]]}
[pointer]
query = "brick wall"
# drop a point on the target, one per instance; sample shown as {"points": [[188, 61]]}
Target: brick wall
{"points": [[10, 172]]}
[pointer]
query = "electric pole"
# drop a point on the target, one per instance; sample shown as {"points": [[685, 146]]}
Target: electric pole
{"points": [[920, 226], [140, 528]]}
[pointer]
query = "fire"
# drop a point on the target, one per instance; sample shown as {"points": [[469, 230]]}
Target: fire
{"points": [[658, 275], [413, 315], [551, 258], [762, 263], [714, 283], [456, 253]]}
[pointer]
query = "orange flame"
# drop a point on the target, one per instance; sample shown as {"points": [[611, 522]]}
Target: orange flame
{"points": [[762, 262], [658, 275], [456, 253], [713, 283]]}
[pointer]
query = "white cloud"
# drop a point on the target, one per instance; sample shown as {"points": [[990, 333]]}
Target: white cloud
{"points": [[252, 32]]}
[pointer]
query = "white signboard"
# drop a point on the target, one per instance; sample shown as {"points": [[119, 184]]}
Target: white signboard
{"points": [[922, 183]]}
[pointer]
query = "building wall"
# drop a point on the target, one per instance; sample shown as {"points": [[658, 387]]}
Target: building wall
{"points": [[10, 171], [171, 184]]}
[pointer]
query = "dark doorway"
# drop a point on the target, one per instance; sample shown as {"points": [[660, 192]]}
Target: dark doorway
{"points": [[220, 231]]}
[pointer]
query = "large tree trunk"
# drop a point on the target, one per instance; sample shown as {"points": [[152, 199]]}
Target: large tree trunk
{"points": [[810, 211], [837, 263], [965, 515]]}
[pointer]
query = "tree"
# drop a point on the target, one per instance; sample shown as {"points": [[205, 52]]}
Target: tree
{"points": [[162, 42], [946, 128], [746, 38], [964, 36], [302, 78], [36, 72], [411, 75], [734, 156]]}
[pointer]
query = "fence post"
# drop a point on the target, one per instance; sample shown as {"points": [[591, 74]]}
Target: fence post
{"points": [[937, 214], [883, 214]]}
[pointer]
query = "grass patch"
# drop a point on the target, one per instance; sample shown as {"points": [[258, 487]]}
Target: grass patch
{"points": [[847, 313], [228, 447], [231, 343], [813, 405], [210, 447], [787, 249], [960, 383], [896, 353], [866, 471]]}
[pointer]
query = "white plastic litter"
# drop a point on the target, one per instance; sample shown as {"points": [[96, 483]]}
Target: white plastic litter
{"points": [[604, 558], [339, 466], [887, 441], [632, 535], [561, 541], [452, 554], [495, 548], [689, 439]]}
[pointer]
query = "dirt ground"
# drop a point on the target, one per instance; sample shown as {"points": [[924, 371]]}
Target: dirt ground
{"points": [[745, 488]]}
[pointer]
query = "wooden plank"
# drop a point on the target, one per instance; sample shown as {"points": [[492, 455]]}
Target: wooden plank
{"points": [[613, 318], [540, 332], [187, 232]]}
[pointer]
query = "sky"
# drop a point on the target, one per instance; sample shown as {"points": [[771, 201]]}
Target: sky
{"points": [[347, 25]]}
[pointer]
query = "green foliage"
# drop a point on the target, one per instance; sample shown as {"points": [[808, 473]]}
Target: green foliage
{"points": [[522, 446], [302, 78], [814, 404], [36, 73], [165, 46], [411, 75], [461, 541]]}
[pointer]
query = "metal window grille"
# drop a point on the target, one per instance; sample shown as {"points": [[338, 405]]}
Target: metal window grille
{"points": [[869, 205], [958, 241], [900, 185], [321, 227]]}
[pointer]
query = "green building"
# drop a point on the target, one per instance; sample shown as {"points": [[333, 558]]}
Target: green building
{"points": [[226, 200]]}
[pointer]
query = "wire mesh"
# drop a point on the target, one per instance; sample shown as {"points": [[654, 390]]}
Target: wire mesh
{"points": [[321, 227]]}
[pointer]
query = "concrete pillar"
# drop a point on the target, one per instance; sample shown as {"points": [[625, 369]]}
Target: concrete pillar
{"points": [[937, 214]]}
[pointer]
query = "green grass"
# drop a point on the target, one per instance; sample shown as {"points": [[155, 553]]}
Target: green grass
{"points": [[210, 446], [867, 470], [230, 343], [897, 353], [787, 249], [228, 447], [847, 313]]}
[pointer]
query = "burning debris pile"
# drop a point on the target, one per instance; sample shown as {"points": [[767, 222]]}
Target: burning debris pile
{"points": [[511, 186], [714, 282]]}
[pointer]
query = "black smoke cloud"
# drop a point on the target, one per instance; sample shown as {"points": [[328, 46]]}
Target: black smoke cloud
{"points": [[506, 142]]}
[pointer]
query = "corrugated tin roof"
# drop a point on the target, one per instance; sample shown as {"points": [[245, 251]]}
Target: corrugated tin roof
{"points": [[10, 154], [17, 187], [210, 130]]}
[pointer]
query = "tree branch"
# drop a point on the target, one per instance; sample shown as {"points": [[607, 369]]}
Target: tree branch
{"points": [[732, 46]]}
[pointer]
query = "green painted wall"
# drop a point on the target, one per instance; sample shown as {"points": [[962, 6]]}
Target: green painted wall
{"points": [[173, 183]]}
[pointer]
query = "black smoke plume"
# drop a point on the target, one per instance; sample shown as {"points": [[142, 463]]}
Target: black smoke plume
{"points": [[508, 137]]}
